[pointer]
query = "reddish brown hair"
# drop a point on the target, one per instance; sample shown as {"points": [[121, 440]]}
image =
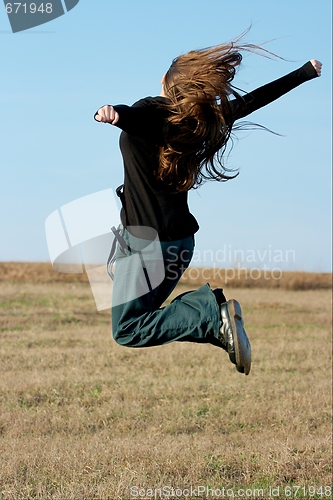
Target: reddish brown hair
{"points": [[199, 85]]}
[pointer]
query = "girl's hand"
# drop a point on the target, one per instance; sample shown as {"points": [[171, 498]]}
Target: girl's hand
{"points": [[107, 114], [317, 66]]}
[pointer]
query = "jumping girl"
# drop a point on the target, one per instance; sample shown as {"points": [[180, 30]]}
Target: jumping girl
{"points": [[171, 144]]}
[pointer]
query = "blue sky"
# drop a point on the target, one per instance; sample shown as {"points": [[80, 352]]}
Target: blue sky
{"points": [[55, 76]]}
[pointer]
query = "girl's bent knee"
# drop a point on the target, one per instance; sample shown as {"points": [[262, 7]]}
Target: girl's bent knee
{"points": [[125, 338], [119, 337]]}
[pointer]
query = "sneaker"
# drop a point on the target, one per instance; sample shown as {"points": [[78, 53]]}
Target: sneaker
{"points": [[233, 335]]}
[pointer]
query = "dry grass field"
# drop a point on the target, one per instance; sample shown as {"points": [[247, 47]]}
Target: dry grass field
{"points": [[81, 417]]}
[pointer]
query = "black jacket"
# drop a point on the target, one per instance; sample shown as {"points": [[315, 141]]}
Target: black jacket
{"points": [[149, 202]]}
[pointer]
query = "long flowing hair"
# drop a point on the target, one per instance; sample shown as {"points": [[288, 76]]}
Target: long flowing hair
{"points": [[198, 86]]}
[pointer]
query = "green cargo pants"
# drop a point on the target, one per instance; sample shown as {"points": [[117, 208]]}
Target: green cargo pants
{"points": [[141, 321]]}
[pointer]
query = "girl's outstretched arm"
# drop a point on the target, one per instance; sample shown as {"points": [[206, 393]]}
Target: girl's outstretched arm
{"points": [[144, 119], [268, 93]]}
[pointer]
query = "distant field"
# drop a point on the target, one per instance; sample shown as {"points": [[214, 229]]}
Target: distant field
{"points": [[44, 273], [81, 417]]}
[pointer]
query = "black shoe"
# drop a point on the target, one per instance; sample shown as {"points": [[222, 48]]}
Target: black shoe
{"points": [[233, 335]]}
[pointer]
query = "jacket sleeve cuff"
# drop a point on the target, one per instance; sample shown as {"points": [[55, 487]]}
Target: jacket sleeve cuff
{"points": [[309, 70]]}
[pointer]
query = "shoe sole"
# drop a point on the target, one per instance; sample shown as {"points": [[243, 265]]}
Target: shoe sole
{"points": [[243, 358]]}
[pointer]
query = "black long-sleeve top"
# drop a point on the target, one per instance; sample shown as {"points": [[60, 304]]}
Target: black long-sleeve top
{"points": [[150, 202]]}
